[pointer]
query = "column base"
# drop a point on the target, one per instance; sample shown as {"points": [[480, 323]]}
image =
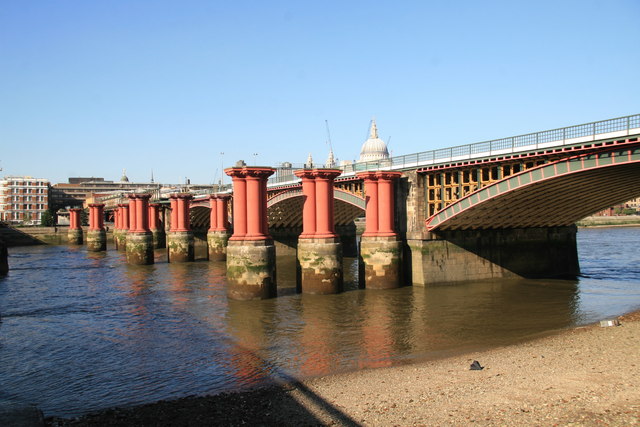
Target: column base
{"points": [[320, 266], [74, 237], [217, 245], [120, 239], [380, 262], [140, 248], [96, 240], [251, 269], [159, 239], [180, 246]]}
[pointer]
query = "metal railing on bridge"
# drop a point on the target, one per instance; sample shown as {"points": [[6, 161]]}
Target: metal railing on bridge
{"points": [[611, 128]]}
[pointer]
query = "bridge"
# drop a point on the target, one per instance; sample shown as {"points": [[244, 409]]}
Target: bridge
{"points": [[499, 208]]}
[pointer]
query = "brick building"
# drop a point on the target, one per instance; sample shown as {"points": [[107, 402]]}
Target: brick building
{"points": [[23, 199]]}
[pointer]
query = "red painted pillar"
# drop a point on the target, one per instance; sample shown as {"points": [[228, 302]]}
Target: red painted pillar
{"points": [[371, 193], [174, 212], [96, 216], [142, 213], [250, 202], [74, 219], [154, 222], [263, 204], [213, 213], [182, 217], [325, 227], [132, 212], [239, 204], [309, 204], [125, 216], [386, 203], [254, 214], [222, 214]]}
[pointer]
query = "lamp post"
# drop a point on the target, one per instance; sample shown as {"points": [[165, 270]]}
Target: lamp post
{"points": [[255, 157], [221, 168]]}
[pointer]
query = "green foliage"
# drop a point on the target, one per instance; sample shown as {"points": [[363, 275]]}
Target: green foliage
{"points": [[84, 217], [47, 219], [629, 211]]}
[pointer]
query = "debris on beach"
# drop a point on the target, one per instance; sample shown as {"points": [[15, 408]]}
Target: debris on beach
{"points": [[475, 366]]}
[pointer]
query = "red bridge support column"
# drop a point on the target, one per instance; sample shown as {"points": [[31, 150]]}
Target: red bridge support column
{"points": [[180, 240], [74, 235], [157, 231], [96, 236], [380, 248], [122, 227], [251, 255], [218, 234], [139, 239], [319, 248]]}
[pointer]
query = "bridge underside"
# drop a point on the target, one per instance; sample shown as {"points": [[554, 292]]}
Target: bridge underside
{"points": [[287, 213], [553, 195]]}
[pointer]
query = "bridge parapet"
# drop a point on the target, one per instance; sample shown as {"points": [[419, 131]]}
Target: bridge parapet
{"points": [[560, 137]]}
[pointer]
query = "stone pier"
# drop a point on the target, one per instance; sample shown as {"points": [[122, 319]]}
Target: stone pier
{"points": [[139, 239], [157, 230], [120, 237], [380, 248], [74, 235], [218, 234], [251, 255], [180, 240], [458, 256], [319, 249], [96, 236]]}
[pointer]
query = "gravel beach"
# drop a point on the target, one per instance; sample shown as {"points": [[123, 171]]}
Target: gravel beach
{"points": [[583, 376]]}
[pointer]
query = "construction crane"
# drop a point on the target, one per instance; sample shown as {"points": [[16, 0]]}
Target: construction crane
{"points": [[326, 123]]}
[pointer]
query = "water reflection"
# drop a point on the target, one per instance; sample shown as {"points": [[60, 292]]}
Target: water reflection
{"points": [[82, 331]]}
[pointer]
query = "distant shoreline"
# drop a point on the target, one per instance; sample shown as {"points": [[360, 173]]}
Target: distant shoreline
{"points": [[609, 221]]}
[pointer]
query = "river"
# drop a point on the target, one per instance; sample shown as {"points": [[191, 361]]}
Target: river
{"points": [[82, 331]]}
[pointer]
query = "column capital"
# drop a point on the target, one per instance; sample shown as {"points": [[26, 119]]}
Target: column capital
{"points": [[388, 175], [185, 196], [368, 175], [317, 173], [96, 205], [249, 171], [75, 209]]}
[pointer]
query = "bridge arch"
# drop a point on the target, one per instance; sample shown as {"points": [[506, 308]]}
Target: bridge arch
{"points": [[284, 210], [551, 195]]}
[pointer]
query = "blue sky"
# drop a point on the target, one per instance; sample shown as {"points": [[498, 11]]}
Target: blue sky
{"points": [[88, 88]]}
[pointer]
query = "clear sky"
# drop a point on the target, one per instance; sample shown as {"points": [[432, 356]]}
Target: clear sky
{"points": [[88, 88]]}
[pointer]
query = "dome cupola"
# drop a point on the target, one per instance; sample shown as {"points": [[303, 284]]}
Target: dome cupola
{"points": [[373, 148]]}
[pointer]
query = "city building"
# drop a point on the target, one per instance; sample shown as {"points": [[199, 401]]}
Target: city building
{"points": [[23, 199]]}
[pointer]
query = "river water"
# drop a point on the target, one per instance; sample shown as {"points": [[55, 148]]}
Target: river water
{"points": [[83, 331]]}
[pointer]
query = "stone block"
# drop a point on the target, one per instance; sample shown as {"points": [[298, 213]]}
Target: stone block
{"points": [[320, 266], [180, 246], [251, 269]]}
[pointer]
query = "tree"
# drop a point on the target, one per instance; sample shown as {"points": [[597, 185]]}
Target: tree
{"points": [[47, 219], [84, 216]]}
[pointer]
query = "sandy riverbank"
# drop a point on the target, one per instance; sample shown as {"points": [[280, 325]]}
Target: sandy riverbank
{"points": [[583, 376]]}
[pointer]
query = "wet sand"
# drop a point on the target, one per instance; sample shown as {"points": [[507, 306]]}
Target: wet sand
{"points": [[583, 376]]}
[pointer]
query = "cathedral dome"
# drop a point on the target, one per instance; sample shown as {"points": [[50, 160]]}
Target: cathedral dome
{"points": [[373, 148]]}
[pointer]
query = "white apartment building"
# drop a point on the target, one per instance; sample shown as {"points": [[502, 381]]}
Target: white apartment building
{"points": [[23, 199]]}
